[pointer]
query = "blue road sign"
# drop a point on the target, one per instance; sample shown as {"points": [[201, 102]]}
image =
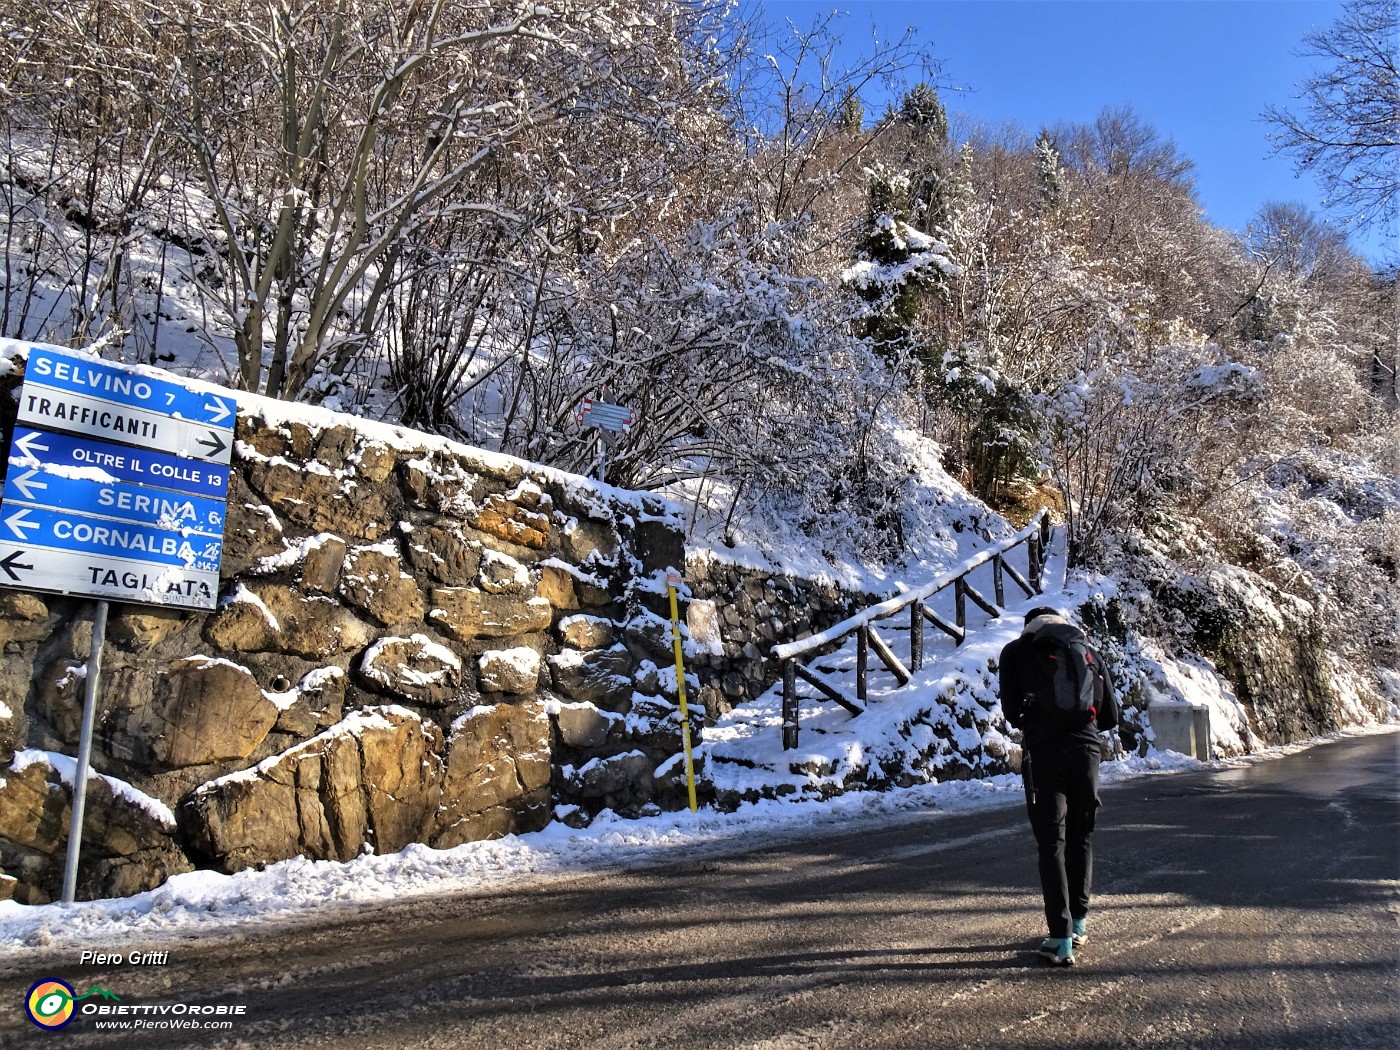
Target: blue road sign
{"points": [[83, 395], [76, 373], [135, 505], [63, 453], [75, 531], [116, 484]]}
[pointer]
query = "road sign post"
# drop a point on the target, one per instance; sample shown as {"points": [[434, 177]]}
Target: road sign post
{"points": [[117, 483], [75, 819], [115, 490]]}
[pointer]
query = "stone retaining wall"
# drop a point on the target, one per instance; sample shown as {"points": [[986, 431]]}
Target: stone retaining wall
{"points": [[414, 642], [737, 614]]}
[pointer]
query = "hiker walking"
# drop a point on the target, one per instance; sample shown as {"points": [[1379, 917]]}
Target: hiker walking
{"points": [[1056, 690]]}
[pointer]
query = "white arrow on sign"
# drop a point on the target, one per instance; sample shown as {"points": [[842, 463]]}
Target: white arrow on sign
{"points": [[221, 411], [29, 444], [26, 483], [18, 524]]}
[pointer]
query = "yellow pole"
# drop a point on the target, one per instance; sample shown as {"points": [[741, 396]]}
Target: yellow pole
{"points": [[672, 579]]}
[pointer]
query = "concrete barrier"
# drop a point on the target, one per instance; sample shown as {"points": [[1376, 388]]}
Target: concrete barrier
{"points": [[1181, 726]]}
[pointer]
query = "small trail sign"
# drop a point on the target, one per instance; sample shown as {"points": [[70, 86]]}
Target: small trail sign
{"points": [[606, 419], [600, 414]]}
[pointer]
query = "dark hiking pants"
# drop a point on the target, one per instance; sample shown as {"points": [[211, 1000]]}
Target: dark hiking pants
{"points": [[1062, 796]]}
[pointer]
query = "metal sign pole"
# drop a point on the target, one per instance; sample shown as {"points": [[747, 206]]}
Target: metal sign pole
{"points": [[75, 824], [602, 437], [607, 419]]}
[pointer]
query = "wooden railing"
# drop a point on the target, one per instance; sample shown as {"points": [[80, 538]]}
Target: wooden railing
{"points": [[1035, 537]]}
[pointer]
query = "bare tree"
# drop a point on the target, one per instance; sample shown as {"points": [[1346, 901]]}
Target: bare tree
{"points": [[335, 141], [1349, 132], [1300, 243], [1135, 432], [82, 161], [793, 101]]}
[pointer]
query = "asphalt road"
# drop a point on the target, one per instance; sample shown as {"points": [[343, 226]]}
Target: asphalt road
{"points": [[1250, 908]]}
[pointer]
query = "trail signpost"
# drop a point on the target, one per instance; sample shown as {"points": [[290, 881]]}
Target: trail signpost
{"points": [[115, 490], [606, 419]]}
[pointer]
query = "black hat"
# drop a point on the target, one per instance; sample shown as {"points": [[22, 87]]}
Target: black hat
{"points": [[1042, 610]]}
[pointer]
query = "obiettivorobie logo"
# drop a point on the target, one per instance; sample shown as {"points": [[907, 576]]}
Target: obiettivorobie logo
{"points": [[52, 1003]]}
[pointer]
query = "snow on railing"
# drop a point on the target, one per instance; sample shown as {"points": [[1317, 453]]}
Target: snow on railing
{"points": [[1035, 536]]}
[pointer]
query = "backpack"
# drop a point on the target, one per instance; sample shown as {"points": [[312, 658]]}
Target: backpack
{"points": [[1068, 683]]}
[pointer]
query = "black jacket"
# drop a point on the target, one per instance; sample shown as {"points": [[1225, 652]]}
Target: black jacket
{"points": [[1017, 671]]}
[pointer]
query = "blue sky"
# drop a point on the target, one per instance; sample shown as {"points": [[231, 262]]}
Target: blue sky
{"points": [[1200, 71]]}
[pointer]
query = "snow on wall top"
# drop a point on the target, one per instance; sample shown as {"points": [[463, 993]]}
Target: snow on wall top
{"points": [[67, 770], [14, 352]]}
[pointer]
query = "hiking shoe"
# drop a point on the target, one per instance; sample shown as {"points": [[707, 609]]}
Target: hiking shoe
{"points": [[1058, 950], [1079, 932]]}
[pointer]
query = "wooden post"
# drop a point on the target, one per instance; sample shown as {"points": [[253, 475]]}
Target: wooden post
{"points": [[960, 602], [887, 657], [789, 705], [1033, 562], [1047, 533], [998, 586], [862, 658], [916, 636]]}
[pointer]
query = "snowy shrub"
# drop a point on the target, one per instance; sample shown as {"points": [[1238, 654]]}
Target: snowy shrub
{"points": [[1126, 436]]}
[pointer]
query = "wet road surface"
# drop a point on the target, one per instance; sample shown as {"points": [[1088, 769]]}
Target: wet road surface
{"points": [[1254, 908]]}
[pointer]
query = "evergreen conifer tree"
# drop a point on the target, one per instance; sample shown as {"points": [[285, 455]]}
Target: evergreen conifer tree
{"points": [[1047, 166], [923, 110], [850, 114], [894, 307]]}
